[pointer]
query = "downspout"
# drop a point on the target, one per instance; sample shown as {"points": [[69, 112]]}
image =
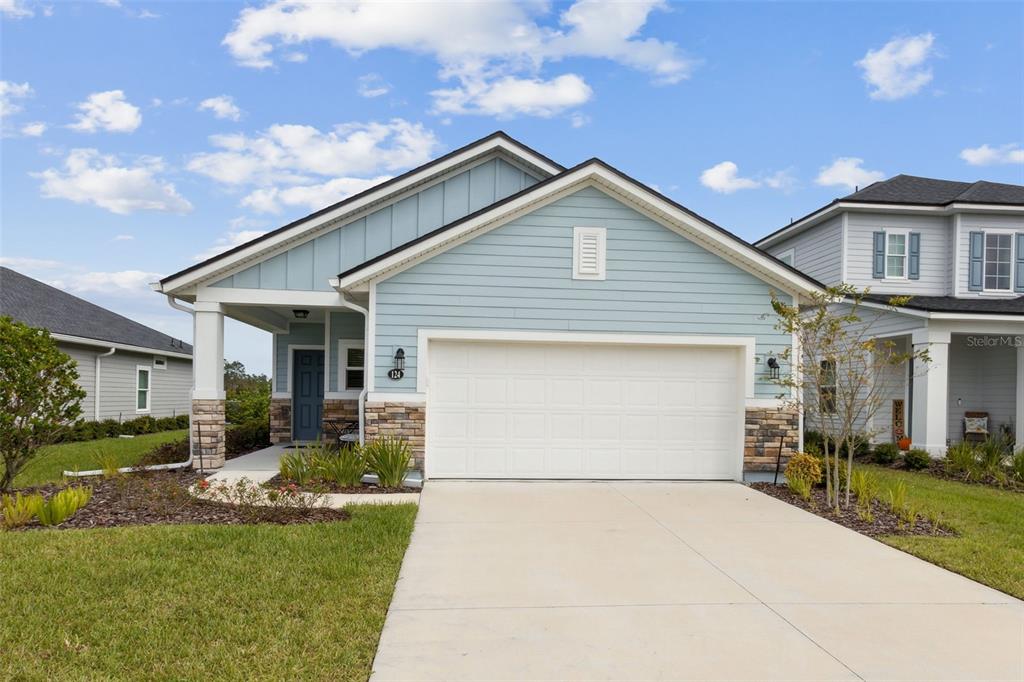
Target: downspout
{"points": [[153, 467], [96, 392], [367, 355]]}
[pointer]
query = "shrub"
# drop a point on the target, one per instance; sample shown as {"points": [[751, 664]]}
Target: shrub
{"points": [[832, 461], [861, 446], [257, 503], [962, 461], [1017, 466], [897, 497], [167, 453], [991, 454], [799, 485], [344, 466], [166, 424], [813, 439], [389, 459], [917, 459], [806, 467], [62, 505], [181, 421], [886, 453], [18, 510], [295, 466], [246, 437], [864, 485]]}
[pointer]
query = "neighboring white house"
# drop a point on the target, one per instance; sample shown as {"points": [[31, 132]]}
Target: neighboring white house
{"points": [[958, 249], [512, 318], [127, 369]]}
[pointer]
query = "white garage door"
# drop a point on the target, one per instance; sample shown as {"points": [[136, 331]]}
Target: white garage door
{"points": [[531, 410]]}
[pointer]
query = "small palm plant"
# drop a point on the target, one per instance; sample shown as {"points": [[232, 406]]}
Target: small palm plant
{"points": [[389, 459]]}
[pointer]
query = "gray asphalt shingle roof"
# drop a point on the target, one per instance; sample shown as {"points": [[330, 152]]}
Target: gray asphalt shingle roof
{"points": [[910, 189], [40, 305], [950, 304]]}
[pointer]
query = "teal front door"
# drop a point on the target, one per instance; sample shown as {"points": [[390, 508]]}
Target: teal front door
{"points": [[307, 394]]}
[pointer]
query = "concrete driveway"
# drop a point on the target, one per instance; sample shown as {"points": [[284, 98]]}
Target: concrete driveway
{"points": [[700, 581]]}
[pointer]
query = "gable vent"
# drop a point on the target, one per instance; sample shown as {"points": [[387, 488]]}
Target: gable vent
{"points": [[588, 260]]}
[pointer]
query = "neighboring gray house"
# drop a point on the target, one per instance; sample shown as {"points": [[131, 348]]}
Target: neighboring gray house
{"points": [[127, 369], [514, 319], [958, 249]]}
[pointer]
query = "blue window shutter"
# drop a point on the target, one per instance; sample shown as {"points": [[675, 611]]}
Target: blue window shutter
{"points": [[878, 262], [976, 261], [914, 256], [1019, 286]]}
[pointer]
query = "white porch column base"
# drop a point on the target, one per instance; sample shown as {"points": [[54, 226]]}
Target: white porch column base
{"points": [[208, 351], [931, 403], [1020, 395]]}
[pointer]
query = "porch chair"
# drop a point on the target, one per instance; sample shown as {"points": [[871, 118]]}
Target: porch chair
{"points": [[976, 427]]}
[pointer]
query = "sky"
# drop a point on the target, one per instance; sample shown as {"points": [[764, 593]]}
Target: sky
{"points": [[141, 137]]}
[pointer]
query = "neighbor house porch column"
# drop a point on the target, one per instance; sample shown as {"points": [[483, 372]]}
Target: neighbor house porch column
{"points": [[208, 423], [931, 389]]}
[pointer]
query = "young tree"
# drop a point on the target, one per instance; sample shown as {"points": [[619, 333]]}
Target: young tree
{"points": [[843, 374], [39, 394], [248, 395]]}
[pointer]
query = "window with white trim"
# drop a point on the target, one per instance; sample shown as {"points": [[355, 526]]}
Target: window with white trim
{"points": [[998, 261], [895, 254], [827, 387], [351, 365], [159, 362], [588, 252], [143, 387]]}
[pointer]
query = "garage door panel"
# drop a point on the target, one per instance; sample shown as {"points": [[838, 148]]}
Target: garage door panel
{"points": [[531, 410]]}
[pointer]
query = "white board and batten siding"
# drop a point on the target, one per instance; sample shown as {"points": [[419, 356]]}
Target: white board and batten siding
{"points": [[817, 252], [309, 265], [519, 277]]}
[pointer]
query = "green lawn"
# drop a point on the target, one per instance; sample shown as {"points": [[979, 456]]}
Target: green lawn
{"points": [[51, 461], [990, 523], [200, 602]]}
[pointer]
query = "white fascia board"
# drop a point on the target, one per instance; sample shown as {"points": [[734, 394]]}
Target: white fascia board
{"points": [[96, 343], [966, 317], [860, 207], [309, 229], [270, 297], [749, 259]]}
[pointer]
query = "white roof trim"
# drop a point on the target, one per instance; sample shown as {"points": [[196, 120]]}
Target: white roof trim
{"points": [[593, 173], [822, 214], [81, 340], [259, 248]]}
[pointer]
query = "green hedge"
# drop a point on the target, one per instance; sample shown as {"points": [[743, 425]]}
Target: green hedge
{"points": [[111, 428]]}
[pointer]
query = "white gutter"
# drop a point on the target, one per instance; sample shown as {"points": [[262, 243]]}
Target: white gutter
{"points": [[367, 355], [120, 346], [96, 391], [152, 467]]}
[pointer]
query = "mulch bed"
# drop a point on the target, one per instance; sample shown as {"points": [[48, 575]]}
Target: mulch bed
{"points": [[884, 523], [331, 487], [162, 497], [938, 470]]}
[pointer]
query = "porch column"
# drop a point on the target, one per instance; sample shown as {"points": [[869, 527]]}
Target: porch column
{"points": [[931, 389], [1020, 393], [208, 422]]}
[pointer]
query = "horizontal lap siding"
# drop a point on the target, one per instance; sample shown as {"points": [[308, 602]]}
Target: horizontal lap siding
{"points": [[169, 392], [985, 380], [85, 365], [299, 334], [936, 248], [817, 252], [310, 265], [979, 223], [519, 277]]}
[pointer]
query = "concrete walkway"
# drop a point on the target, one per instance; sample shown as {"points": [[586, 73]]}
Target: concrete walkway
{"points": [[695, 581]]}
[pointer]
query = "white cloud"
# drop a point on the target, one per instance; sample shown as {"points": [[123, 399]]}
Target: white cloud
{"points": [[297, 154], [108, 111], [29, 264], [502, 40], [579, 120], [312, 197], [509, 96], [15, 9], [898, 69], [372, 85], [228, 241], [120, 283], [34, 129], [222, 106], [9, 92], [783, 180], [89, 177], [725, 179], [123, 238], [990, 156], [848, 172]]}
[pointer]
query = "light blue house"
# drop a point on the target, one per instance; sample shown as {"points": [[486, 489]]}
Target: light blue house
{"points": [[513, 319]]}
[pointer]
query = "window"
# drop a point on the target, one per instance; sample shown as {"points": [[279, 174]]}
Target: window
{"points": [[895, 254], [142, 388], [998, 261], [159, 362], [787, 256], [351, 364], [827, 387], [588, 253]]}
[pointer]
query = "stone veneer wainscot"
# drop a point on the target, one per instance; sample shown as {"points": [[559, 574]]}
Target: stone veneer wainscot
{"points": [[766, 430], [208, 427], [401, 420]]}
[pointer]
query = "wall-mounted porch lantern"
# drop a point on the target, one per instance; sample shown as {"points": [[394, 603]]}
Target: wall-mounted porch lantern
{"points": [[397, 370], [773, 367], [300, 314]]}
